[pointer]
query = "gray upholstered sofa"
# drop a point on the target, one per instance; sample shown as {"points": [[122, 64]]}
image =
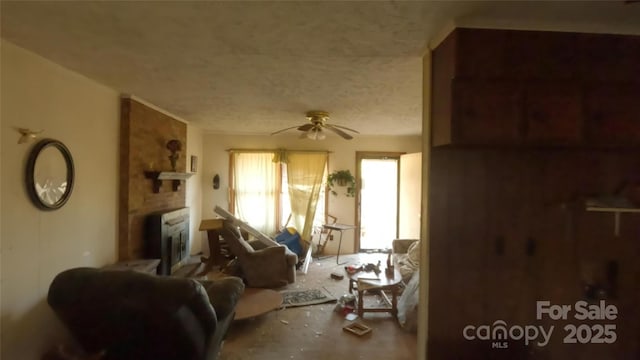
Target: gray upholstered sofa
{"points": [[132, 315]]}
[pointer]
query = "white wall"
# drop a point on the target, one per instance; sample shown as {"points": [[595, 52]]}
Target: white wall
{"points": [[194, 188], [36, 245], [343, 156]]}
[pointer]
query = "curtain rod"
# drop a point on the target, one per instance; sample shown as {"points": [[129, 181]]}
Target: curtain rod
{"points": [[276, 150]]}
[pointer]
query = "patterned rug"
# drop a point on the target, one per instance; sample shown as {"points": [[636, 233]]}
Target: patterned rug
{"points": [[292, 298]]}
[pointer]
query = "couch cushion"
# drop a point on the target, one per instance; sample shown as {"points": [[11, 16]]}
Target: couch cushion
{"points": [[238, 244], [414, 253], [410, 262]]}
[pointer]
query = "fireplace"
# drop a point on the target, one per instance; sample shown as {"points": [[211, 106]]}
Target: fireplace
{"points": [[167, 238]]}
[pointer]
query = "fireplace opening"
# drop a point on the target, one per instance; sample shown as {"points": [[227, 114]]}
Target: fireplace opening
{"points": [[167, 238]]}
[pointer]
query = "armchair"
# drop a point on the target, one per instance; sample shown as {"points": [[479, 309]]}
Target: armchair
{"points": [[263, 263], [131, 315]]}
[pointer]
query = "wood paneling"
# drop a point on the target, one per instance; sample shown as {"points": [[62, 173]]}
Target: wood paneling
{"points": [[508, 229], [535, 88]]}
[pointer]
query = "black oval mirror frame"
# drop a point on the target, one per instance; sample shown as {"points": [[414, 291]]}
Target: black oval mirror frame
{"points": [[31, 182]]}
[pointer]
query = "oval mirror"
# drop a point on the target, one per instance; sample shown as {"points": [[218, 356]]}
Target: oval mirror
{"points": [[49, 174]]}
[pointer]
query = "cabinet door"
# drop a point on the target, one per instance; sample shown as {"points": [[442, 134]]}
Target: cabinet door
{"points": [[553, 113], [613, 114], [609, 58], [480, 53], [537, 55], [486, 112]]}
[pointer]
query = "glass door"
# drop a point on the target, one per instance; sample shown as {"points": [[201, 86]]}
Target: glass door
{"points": [[377, 201]]}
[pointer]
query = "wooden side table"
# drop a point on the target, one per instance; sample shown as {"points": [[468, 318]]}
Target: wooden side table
{"points": [[366, 281], [212, 227]]}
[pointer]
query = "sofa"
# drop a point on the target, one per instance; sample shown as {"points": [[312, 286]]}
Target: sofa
{"points": [[406, 257], [131, 315]]}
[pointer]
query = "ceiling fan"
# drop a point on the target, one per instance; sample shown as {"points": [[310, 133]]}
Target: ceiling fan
{"points": [[315, 130]]}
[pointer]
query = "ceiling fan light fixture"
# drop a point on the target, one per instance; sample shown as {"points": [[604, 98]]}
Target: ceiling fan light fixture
{"points": [[316, 134], [318, 123]]}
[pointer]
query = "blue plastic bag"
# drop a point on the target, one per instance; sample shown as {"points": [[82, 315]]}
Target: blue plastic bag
{"points": [[290, 238]]}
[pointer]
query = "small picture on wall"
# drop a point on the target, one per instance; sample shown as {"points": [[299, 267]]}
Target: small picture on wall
{"points": [[194, 163]]}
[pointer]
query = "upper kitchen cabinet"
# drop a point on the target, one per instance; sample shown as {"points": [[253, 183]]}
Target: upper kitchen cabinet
{"points": [[542, 55], [485, 112], [552, 113], [609, 58], [490, 55], [534, 88], [613, 114], [499, 112]]}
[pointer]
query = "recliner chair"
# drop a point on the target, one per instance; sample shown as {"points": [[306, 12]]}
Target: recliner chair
{"points": [[132, 315], [264, 264]]}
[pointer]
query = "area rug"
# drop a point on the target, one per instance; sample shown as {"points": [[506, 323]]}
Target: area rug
{"points": [[292, 298]]}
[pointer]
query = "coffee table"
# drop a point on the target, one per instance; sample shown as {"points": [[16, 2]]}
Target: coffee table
{"points": [[255, 302], [368, 281]]}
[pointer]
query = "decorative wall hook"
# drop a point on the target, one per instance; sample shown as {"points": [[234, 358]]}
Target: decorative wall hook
{"points": [[27, 135]]}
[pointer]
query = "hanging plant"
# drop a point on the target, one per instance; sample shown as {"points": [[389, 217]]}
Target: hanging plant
{"points": [[342, 178]]}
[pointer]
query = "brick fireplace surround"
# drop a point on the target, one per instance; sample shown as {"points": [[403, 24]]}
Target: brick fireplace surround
{"points": [[144, 133]]}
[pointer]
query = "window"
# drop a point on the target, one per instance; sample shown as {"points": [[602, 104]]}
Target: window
{"points": [[285, 203], [259, 192]]}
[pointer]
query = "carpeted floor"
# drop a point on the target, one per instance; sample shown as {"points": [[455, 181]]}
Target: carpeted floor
{"points": [[315, 331]]}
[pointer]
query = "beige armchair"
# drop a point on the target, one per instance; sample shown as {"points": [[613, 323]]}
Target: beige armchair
{"points": [[263, 264]]}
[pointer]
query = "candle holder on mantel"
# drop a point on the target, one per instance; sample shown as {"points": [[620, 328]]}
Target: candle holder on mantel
{"points": [[174, 146]]}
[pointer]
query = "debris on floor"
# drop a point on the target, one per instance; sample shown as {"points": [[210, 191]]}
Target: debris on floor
{"points": [[357, 328]]}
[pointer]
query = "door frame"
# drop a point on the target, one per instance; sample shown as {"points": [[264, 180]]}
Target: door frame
{"points": [[360, 155]]}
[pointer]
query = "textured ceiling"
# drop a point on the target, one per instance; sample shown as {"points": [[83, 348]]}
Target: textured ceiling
{"points": [[255, 67]]}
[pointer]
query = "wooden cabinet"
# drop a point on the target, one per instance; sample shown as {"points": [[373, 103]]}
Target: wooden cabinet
{"points": [[613, 114], [485, 112], [532, 88], [490, 112], [552, 113], [490, 55]]}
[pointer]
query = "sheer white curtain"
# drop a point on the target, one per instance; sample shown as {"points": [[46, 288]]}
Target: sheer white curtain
{"points": [[255, 186], [305, 173]]}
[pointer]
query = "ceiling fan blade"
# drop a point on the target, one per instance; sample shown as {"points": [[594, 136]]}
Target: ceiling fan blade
{"points": [[306, 127], [338, 131], [283, 130], [344, 128]]}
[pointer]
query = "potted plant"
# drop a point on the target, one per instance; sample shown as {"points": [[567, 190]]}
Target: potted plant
{"points": [[342, 178]]}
